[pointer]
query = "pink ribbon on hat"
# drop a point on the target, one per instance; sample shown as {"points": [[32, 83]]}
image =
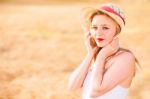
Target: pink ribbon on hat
{"points": [[112, 11]]}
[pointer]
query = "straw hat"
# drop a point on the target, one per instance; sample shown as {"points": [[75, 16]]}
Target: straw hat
{"points": [[114, 12], [110, 9]]}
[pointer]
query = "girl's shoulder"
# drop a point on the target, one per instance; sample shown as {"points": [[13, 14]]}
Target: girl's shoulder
{"points": [[121, 54], [124, 53]]}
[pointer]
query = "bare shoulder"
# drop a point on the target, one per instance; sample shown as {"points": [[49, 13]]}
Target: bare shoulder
{"points": [[124, 55], [125, 60], [121, 57]]}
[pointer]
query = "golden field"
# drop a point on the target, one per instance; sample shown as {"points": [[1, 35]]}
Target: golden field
{"points": [[40, 45]]}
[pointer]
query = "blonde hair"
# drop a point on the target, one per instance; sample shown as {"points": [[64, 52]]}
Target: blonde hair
{"points": [[86, 22]]}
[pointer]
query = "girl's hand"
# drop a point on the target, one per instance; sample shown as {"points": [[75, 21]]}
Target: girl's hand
{"points": [[110, 49], [90, 43]]}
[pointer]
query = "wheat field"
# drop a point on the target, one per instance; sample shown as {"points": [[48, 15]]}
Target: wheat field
{"points": [[40, 45]]}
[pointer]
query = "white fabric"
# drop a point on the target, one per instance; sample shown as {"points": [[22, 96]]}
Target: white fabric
{"points": [[116, 93]]}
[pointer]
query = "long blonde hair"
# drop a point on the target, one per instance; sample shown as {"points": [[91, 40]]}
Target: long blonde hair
{"points": [[86, 23]]}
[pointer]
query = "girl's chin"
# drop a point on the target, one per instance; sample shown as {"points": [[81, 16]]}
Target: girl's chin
{"points": [[101, 44]]}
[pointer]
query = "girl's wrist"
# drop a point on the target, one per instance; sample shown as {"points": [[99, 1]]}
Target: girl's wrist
{"points": [[90, 55], [101, 56]]}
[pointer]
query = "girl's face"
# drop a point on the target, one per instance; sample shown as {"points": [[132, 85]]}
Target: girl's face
{"points": [[103, 30]]}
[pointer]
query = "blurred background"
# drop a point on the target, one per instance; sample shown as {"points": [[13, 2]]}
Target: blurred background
{"points": [[42, 42]]}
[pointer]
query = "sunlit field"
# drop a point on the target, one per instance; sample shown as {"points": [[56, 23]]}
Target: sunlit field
{"points": [[40, 45]]}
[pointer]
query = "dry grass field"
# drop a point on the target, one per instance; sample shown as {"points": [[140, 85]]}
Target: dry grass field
{"points": [[40, 45]]}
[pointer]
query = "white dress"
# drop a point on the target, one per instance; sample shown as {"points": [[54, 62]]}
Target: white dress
{"points": [[116, 93]]}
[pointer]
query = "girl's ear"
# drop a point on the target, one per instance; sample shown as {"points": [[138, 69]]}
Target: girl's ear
{"points": [[117, 30]]}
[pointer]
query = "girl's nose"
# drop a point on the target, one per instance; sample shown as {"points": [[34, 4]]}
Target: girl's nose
{"points": [[98, 33]]}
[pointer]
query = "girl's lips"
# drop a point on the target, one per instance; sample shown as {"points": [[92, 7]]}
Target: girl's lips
{"points": [[100, 39]]}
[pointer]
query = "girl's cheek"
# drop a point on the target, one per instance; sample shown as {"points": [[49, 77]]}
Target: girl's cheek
{"points": [[110, 39]]}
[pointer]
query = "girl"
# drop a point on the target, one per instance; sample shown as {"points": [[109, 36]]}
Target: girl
{"points": [[107, 70]]}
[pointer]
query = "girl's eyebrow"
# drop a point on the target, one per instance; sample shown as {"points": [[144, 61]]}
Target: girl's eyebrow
{"points": [[101, 25]]}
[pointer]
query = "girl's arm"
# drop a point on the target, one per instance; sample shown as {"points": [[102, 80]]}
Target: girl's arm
{"points": [[77, 77], [102, 82]]}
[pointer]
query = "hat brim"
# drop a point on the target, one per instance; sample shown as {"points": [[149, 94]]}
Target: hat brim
{"points": [[115, 17]]}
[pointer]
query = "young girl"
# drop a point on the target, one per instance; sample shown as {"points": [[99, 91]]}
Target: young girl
{"points": [[107, 70]]}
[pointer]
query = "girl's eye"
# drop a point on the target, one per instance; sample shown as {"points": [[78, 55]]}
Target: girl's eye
{"points": [[105, 28], [94, 27]]}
